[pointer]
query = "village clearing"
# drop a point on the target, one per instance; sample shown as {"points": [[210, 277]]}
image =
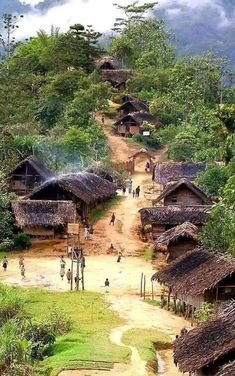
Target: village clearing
{"points": [[113, 333]]}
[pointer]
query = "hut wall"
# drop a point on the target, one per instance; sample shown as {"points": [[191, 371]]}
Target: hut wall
{"points": [[126, 129], [183, 196], [24, 179], [134, 129], [39, 232], [180, 247], [157, 230], [194, 301]]}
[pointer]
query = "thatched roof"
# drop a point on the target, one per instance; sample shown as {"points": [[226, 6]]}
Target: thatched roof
{"points": [[85, 186], [139, 118], [228, 370], [116, 76], [127, 97], [186, 230], [205, 344], [37, 165], [136, 105], [170, 188], [142, 151], [43, 213], [105, 60], [174, 215], [172, 171], [195, 272]]}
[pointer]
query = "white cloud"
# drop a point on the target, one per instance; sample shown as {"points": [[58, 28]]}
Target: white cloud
{"points": [[99, 13]]}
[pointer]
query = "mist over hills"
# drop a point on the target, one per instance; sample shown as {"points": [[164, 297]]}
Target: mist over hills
{"points": [[198, 25]]}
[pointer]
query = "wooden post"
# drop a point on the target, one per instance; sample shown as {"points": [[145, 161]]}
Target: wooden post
{"points": [[152, 290], [71, 284], [141, 285], [144, 286], [77, 284], [82, 270], [169, 298]]}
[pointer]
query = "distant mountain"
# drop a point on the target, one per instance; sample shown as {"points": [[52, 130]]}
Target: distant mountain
{"points": [[197, 27]]}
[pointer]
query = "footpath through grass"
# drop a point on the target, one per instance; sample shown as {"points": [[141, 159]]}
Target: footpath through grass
{"points": [[147, 343], [103, 212], [87, 346]]}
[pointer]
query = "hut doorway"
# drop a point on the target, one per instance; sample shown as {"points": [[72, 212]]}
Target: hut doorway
{"points": [[143, 161]]}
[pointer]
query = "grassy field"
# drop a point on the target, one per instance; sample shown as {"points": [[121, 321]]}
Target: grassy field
{"points": [[147, 342], [100, 213], [87, 346]]}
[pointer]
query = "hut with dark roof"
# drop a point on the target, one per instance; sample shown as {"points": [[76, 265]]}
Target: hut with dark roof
{"points": [[85, 189], [117, 77], [27, 175], [157, 220], [199, 276], [106, 63], [167, 172], [133, 106], [183, 192], [177, 241], [43, 219], [131, 124], [209, 350]]}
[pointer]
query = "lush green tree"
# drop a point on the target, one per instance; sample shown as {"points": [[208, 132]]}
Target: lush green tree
{"points": [[218, 234], [213, 179], [6, 218]]}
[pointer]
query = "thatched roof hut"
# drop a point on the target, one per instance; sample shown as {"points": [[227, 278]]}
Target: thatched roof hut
{"points": [[138, 118], [183, 192], [195, 272], [84, 186], [186, 230], [116, 76], [209, 346], [227, 370], [105, 62], [30, 213], [37, 166], [133, 106], [142, 151], [174, 215], [166, 172]]}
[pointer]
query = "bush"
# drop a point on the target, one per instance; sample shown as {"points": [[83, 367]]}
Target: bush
{"points": [[41, 338], [22, 241], [204, 313], [11, 304], [6, 245], [60, 323]]}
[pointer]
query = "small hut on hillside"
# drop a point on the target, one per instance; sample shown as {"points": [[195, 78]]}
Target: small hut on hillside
{"points": [[27, 175], [133, 106], [117, 77], [131, 124], [208, 349], [159, 219], [167, 172], [199, 276], [143, 153], [105, 63], [183, 192], [43, 219], [85, 189], [177, 241], [127, 97]]}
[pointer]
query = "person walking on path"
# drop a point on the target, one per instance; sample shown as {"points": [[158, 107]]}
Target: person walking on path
{"points": [[106, 283], [133, 193], [4, 263], [21, 261], [137, 191], [129, 186], [62, 267], [69, 275], [22, 271], [86, 233], [119, 257], [124, 190], [112, 220]]}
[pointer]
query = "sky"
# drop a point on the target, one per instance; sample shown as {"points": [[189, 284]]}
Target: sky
{"points": [[100, 13]]}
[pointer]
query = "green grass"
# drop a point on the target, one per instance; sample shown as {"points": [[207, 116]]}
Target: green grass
{"points": [[100, 213], [147, 342], [87, 346]]}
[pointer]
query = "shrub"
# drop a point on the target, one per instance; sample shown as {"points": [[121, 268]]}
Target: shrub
{"points": [[204, 313], [22, 241], [41, 338], [11, 304], [60, 323], [6, 245]]}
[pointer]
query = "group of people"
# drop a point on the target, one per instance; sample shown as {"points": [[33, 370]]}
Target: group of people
{"points": [[21, 265], [134, 191]]}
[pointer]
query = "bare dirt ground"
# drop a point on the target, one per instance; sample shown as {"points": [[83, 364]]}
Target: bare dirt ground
{"points": [[42, 269]]}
